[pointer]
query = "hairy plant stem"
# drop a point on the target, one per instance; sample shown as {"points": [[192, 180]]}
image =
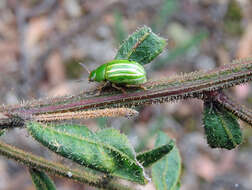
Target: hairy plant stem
{"points": [[52, 168], [111, 112], [237, 109], [192, 85]]}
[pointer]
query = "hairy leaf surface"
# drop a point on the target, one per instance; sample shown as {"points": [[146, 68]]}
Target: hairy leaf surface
{"points": [[41, 180], [107, 151], [2, 132], [221, 127], [142, 46], [166, 172], [150, 157]]}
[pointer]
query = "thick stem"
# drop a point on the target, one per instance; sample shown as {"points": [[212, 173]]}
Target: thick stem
{"points": [[193, 85], [52, 168], [237, 109]]}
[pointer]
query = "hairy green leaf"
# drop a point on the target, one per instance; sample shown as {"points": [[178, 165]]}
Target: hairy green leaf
{"points": [[166, 172], [221, 127], [177, 186], [2, 132], [41, 180], [142, 46], [150, 157], [106, 151]]}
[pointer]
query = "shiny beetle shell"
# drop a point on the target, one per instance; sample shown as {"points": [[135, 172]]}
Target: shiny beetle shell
{"points": [[120, 72]]}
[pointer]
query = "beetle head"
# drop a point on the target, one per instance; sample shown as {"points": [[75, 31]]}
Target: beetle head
{"points": [[92, 76]]}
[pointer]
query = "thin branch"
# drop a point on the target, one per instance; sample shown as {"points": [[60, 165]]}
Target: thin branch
{"points": [[112, 112], [237, 109], [52, 168], [193, 85]]}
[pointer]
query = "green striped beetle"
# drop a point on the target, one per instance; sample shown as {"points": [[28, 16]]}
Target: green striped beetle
{"points": [[122, 72]]}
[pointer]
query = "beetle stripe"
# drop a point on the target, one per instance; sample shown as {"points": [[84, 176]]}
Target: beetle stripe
{"points": [[124, 75], [132, 82], [124, 71], [127, 65], [121, 72], [121, 75], [124, 65], [136, 79], [128, 80]]}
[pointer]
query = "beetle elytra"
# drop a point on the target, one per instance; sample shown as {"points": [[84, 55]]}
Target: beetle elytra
{"points": [[123, 72]]}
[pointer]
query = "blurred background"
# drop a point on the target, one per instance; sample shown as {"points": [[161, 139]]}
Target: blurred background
{"points": [[42, 42]]}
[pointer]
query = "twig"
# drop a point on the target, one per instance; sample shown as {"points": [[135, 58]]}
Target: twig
{"points": [[194, 85], [237, 109], [52, 168], [112, 112]]}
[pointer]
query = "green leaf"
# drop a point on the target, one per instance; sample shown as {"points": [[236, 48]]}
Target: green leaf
{"points": [[221, 127], [142, 46], [2, 132], [177, 186], [106, 151], [166, 172], [150, 157], [41, 180]]}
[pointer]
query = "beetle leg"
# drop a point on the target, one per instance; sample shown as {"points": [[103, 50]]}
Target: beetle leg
{"points": [[118, 88], [136, 86], [100, 88]]}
